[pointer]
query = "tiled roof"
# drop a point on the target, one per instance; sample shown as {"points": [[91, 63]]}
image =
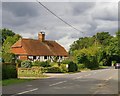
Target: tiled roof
{"points": [[36, 47]]}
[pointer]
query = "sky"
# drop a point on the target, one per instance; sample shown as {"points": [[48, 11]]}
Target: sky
{"points": [[29, 18]]}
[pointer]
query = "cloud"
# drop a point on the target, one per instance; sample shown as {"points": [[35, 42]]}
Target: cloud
{"points": [[21, 9], [106, 11], [82, 7], [27, 19]]}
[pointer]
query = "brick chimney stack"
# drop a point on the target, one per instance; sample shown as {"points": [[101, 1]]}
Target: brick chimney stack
{"points": [[41, 36]]}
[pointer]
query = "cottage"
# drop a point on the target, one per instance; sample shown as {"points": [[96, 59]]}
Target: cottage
{"points": [[41, 49]]}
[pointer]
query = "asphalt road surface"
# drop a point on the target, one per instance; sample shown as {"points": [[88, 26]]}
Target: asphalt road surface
{"points": [[103, 81]]}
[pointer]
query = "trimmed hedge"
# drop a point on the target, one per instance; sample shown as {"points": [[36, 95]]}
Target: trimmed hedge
{"points": [[54, 70], [9, 71], [72, 67]]}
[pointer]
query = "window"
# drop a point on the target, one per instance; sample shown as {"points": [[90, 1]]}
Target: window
{"points": [[60, 57], [45, 57], [34, 57]]}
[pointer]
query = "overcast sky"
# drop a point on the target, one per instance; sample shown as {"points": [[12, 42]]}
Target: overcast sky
{"points": [[29, 18]]}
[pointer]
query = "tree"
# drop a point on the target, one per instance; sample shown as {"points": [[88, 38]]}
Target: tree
{"points": [[103, 38], [10, 40], [4, 33], [88, 57], [82, 43]]}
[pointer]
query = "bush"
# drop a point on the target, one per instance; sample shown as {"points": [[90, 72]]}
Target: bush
{"points": [[41, 64], [81, 66], [45, 64], [18, 61], [26, 64], [64, 68], [53, 64], [72, 67], [36, 63], [54, 70], [9, 57], [9, 71], [66, 61]]}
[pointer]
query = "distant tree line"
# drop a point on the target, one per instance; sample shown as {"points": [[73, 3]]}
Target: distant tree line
{"points": [[100, 49]]}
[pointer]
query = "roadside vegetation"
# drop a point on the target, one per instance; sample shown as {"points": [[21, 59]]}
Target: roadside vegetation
{"points": [[14, 81]]}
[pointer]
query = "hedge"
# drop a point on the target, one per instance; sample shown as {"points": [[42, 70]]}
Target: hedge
{"points": [[9, 71], [72, 67]]}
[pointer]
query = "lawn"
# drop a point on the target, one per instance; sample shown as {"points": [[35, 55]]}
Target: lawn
{"points": [[13, 81]]}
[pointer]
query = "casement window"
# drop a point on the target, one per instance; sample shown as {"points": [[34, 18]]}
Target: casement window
{"points": [[45, 57], [60, 57], [34, 57]]}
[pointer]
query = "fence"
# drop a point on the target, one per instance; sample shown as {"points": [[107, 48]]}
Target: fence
{"points": [[29, 73]]}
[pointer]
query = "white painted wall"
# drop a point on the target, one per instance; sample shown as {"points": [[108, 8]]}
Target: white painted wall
{"points": [[41, 58]]}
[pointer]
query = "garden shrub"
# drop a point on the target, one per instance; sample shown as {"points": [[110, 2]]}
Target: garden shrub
{"points": [[41, 64], [9, 71], [54, 70], [81, 66], [18, 61], [45, 64], [53, 64], [66, 61], [72, 67], [8, 57], [64, 68], [36, 63], [26, 64]]}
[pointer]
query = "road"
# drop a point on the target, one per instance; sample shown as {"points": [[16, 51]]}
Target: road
{"points": [[103, 81]]}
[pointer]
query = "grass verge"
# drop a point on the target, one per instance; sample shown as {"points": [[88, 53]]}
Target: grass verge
{"points": [[13, 81]]}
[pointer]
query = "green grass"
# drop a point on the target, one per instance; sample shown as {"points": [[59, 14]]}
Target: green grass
{"points": [[103, 67], [13, 81]]}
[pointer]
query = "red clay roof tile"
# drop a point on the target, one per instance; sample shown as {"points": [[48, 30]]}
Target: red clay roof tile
{"points": [[36, 47]]}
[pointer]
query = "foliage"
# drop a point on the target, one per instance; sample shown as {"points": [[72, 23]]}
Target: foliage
{"points": [[101, 49], [54, 70], [29, 72], [72, 67], [10, 40], [18, 61], [26, 64], [66, 61], [4, 33], [88, 57], [45, 64], [36, 63], [103, 37], [81, 66], [9, 71], [13, 81], [41, 64], [9, 57], [81, 43], [63, 67]]}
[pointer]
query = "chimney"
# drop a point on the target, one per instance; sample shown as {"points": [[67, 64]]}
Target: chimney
{"points": [[41, 36]]}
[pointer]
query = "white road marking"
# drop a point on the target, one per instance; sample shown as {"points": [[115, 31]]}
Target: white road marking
{"points": [[57, 83], [109, 78], [25, 92]]}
